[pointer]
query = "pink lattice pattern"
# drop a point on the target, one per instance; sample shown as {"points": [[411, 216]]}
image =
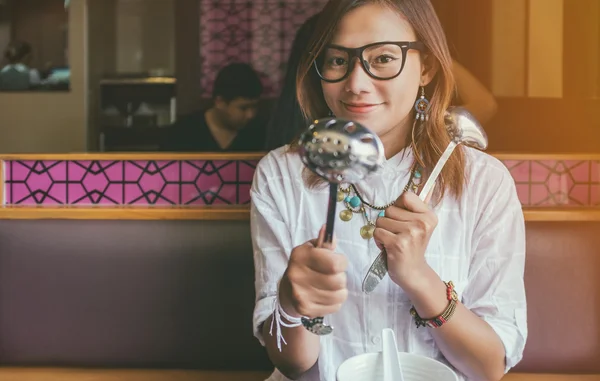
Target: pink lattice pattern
{"points": [[258, 32], [538, 182], [556, 182], [128, 182]]}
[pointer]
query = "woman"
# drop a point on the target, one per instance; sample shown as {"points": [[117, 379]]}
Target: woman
{"points": [[455, 287]]}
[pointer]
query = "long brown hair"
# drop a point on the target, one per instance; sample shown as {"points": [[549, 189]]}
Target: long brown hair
{"points": [[429, 139]]}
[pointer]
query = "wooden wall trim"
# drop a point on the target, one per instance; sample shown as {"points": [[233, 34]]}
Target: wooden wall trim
{"points": [[126, 156], [546, 156], [562, 215], [221, 213], [172, 156], [232, 213]]}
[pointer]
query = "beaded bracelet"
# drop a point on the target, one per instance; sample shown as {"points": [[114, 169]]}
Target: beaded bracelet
{"points": [[440, 320]]}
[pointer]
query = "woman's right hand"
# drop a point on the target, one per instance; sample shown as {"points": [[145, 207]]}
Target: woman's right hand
{"points": [[314, 283]]}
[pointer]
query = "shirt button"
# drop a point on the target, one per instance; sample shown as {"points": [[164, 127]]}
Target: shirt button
{"points": [[375, 339]]}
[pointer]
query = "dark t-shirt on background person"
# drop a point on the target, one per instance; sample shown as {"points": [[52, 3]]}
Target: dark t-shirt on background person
{"points": [[191, 133]]}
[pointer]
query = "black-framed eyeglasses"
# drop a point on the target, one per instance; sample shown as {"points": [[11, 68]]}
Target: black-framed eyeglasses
{"points": [[381, 60]]}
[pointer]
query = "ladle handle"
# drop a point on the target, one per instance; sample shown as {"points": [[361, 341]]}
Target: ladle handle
{"points": [[316, 325], [436, 171], [331, 208]]}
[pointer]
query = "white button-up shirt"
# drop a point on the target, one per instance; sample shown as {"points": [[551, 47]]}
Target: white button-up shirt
{"points": [[479, 244]]}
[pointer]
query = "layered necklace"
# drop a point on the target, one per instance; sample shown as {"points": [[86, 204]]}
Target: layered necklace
{"points": [[354, 202]]}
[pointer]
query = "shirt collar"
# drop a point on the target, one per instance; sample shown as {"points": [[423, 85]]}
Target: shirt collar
{"points": [[400, 162]]}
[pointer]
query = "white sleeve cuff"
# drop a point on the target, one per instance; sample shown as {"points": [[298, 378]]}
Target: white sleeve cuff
{"points": [[262, 311], [513, 335]]}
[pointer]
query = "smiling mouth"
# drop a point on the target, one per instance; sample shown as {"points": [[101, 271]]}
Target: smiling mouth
{"points": [[360, 108]]}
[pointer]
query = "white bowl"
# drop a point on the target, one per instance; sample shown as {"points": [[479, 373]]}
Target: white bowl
{"points": [[369, 367]]}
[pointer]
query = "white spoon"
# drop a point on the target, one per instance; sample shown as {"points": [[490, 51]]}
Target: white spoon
{"points": [[392, 370]]}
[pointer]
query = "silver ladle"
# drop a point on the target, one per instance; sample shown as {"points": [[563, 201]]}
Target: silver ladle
{"points": [[338, 151], [463, 129]]}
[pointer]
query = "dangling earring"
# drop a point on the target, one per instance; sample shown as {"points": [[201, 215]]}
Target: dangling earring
{"points": [[422, 106], [331, 114]]}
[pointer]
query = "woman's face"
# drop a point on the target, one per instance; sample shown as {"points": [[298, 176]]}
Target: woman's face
{"points": [[384, 106]]}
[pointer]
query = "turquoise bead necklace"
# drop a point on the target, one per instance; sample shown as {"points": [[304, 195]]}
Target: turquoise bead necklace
{"points": [[355, 203]]}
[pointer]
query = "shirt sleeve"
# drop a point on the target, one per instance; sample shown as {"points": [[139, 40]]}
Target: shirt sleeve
{"points": [[271, 240], [495, 289]]}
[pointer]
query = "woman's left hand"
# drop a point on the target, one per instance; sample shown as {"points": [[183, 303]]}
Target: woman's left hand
{"points": [[404, 232]]}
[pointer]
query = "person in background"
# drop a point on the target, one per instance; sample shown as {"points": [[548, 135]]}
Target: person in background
{"points": [[17, 75], [230, 124], [471, 94]]}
